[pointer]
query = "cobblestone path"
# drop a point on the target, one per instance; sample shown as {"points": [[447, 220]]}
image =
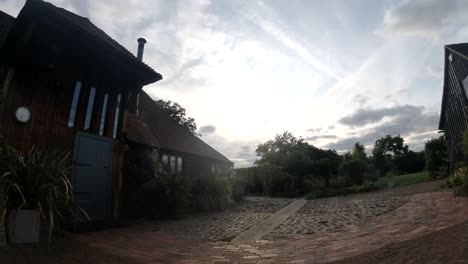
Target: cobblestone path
{"points": [[227, 224], [421, 216]]}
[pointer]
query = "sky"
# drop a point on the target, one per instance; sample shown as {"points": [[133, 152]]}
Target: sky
{"points": [[334, 72]]}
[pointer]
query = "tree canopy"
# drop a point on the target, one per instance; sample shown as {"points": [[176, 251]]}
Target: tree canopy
{"points": [[177, 112]]}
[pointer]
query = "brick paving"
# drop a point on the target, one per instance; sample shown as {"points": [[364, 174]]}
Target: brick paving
{"points": [[423, 214]]}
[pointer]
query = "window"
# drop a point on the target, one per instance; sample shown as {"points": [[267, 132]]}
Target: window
{"points": [[465, 86], [173, 164], [89, 110], [74, 106], [103, 115], [165, 160], [179, 164], [450, 57], [116, 118]]}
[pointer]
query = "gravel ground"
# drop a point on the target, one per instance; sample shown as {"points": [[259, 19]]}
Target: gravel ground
{"points": [[227, 224], [333, 213]]}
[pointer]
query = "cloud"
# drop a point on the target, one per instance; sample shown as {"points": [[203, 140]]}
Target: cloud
{"points": [[207, 130], [361, 99], [242, 153], [424, 18], [368, 116], [435, 70], [315, 138], [315, 130], [407, 121]]}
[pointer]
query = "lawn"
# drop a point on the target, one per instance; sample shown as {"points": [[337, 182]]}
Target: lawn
{"points": [[402, 180]]}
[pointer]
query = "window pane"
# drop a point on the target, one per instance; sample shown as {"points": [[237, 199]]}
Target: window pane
{"points": [[103, 115], [74, 106], [465, 86], [89, 110], [173, 163], [179, 164], [165, 159], [116, 118]]}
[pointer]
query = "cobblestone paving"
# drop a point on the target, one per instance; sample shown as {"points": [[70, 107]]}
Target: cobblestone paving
{"points": [[399, 236], [333, 213], [228, 224]]}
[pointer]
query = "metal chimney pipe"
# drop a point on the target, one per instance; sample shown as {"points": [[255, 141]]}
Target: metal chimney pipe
{"points": [[141, 48]]}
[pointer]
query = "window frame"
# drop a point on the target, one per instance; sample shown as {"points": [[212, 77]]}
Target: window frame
{"points": [[75, 104], [117, 115], [102, 123], [179, 165], [172, 163], [90, 108]]}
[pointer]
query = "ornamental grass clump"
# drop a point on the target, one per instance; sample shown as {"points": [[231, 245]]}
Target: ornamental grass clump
{"points": [[38, 180], [459, 181]]}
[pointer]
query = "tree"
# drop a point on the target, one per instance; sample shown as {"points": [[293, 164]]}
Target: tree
{"points": [[385, 150], [177, 112], [359, 152], [381, 161], [298, 158], [391, 145], [354, 171], [436, 156], [410, 162]]}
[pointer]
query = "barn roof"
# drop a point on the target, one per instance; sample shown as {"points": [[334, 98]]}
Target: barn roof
{"points": [[460, 49], [169, 134], [6, 22], [139, 132], [38, 11]]}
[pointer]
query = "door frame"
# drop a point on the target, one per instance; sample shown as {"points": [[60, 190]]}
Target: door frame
{"points": [[109, 202]]}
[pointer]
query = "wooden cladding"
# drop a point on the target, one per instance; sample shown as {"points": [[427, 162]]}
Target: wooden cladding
{"points": [[59, 107], [455, 112]]}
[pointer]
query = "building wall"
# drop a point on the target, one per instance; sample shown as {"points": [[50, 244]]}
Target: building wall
{"points": [[49, 94], [195, 166], [456, 114], [2, 226], [48, 97]]}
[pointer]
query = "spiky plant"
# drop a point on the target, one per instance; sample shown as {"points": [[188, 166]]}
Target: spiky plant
{"points": [[38, 180]]}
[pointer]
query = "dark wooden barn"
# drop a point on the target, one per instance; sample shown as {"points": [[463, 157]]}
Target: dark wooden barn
{"points": [[67, 85], [179, 149], [454, 115]]}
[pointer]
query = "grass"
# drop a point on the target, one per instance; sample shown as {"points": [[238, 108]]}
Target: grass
{"points": [[380, 183], [403, 180]]}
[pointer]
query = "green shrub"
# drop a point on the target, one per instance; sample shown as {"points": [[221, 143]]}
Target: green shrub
{"points": [[266, 180], [436, 157], [214, 193], [39, 180], [338, 182], [459, 181], [369, 187], [160, 194], [354, 171]]}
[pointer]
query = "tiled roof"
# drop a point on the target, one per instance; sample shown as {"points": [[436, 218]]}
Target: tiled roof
{"points": [[461, 48], [6, 22], [86, 26], [169, 134], [139, 132]]}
